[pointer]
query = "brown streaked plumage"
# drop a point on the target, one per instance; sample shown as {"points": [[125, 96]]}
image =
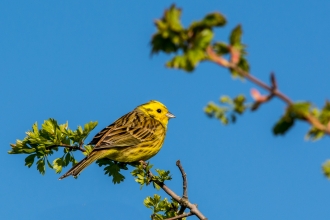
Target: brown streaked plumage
{"points": [[138, 135]]}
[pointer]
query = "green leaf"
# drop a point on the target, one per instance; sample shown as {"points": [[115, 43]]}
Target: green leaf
{"points": [[170, 33], [239, 104], [150, 202], [299, 110], [29, 160], [42, 143], [203, 39], [80, 130], [190, 44], [157, 216], [208, 22], [156, 186], [213, 110], [89, 127], [326, 169], [221, 48], [314, 134], [79, 135], [41, 166], [58, 165], [162, 209], [167, 45], [324, 117], [88, 149], [181, 62], [67, 159], [226, 99], [214, 20], [235, 36], [172, 18], [188, 61], [163, 175], [49, 126], [141, 174], [283, 125], [73, 161], [244, 64], [35, 128], [113, 169]]}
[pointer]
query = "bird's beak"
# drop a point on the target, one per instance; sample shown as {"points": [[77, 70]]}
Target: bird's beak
{"points": [[170, 115]]}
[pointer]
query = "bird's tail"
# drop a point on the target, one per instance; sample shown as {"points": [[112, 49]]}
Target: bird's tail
{"points": [[75, 171]]}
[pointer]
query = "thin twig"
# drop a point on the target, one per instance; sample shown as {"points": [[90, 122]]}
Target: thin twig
{"points": [[181, 211], [273, 81], [263, 85], [272, 89], [184, 179], [68, 146], [185, 187], [180, 216], [193, 207]]}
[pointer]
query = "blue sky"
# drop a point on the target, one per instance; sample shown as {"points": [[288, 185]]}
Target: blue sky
{"points": [[79, 61]]}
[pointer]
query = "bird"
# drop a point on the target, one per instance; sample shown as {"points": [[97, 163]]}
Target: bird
{"points": [[138, 135]]}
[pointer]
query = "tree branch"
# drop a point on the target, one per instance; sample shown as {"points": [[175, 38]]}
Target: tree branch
{"points": [[184, 179], [185, 187], [263, 85], [273, 90], [68, 146], [182, 201], [180, 216]]}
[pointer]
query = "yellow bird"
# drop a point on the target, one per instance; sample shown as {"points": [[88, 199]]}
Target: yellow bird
{"points": [[138, 135]]}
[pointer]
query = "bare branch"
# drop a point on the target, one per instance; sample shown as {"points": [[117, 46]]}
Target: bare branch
{"points": [[185, 187], [184, 179], [263, 85], [273, 81]]}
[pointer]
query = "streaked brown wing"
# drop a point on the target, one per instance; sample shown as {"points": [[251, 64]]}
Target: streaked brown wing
{"points": [[99, 135], [129, 130]]}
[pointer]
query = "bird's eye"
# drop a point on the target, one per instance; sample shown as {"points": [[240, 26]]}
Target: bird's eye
{"points": [[159, 111]]}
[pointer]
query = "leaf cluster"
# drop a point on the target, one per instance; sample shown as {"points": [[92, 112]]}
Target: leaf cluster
{"points": [[112, 168], [228, 111], [189, 44], [296, 111], [143, 177], [323, 116], [63, 161], [41, 143], [162, 209]]}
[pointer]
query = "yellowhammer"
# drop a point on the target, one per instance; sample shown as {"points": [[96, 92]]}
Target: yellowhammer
{"points": [[138, 135]]}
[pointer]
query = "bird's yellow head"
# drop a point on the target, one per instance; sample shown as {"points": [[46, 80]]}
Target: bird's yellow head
{"points": [[157, 110]]}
